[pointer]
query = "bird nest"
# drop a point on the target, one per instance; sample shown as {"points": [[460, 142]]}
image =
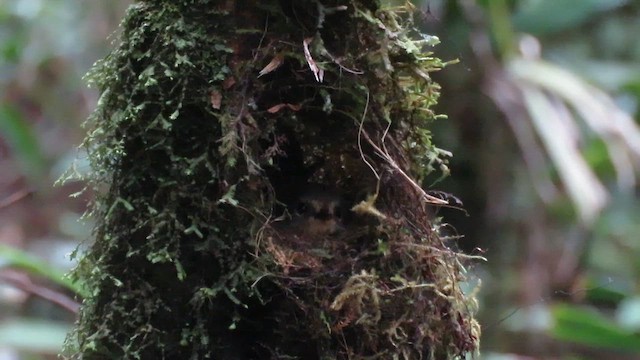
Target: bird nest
{"points": [[381, 284]]}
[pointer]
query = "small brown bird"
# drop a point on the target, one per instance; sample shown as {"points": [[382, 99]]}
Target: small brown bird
{"points": [[319, 212], [297, 244]]}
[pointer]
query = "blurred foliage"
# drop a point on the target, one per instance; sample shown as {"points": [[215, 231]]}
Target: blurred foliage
{"points": [[543, 122], [592, 329], [46, 47], [33, 336], [544, 18], [16, 259], [21, 139]]}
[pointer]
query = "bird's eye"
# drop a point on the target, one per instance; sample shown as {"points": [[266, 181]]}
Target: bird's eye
{"points": [[302, 208]]}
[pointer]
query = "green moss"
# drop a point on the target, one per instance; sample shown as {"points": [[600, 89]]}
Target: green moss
{"points": [[197, 144]]}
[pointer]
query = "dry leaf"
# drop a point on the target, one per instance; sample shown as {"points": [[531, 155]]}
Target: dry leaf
{"points": [[272, 65], [228, 82], [216, 99], [317, 72], [275, 108], [294, 107]]}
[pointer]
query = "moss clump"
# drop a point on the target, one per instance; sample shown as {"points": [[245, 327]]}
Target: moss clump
{"points": [[214, 118]]}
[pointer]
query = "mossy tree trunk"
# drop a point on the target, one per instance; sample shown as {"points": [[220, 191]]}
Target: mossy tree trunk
{"points": [[215, 116]]}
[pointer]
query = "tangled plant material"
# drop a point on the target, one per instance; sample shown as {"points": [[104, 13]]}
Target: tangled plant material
{"points": [[214, 117]]}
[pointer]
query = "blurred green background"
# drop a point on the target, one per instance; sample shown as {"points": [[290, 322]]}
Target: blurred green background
{"points": [[543, 110], [46, 47]]}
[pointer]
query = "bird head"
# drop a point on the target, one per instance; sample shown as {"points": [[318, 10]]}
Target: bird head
{"points": [[320, 212]]}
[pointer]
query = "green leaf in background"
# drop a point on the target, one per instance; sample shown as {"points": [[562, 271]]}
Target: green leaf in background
{"points": [[16, 133], [597, 155], [633, 87], [33, 335], [11, 257], [589, 328], [602, 294], [549, 16]]}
